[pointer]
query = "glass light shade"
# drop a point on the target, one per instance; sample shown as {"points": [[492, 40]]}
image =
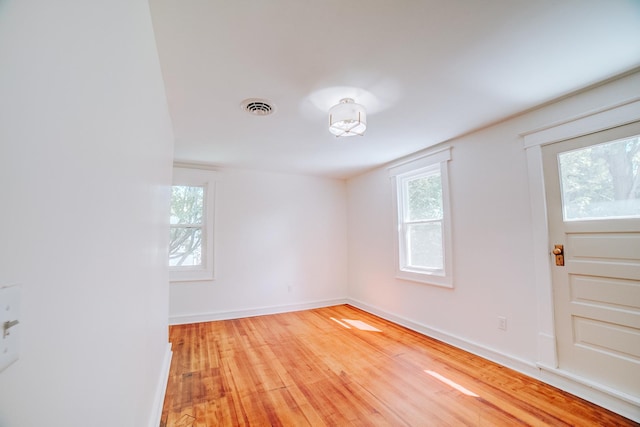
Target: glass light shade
{"points": [[347, 118]]}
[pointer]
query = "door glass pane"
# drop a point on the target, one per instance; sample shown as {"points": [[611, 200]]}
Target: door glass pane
{"points": [[425, 197], [601, 181], [187, 204], [185, 247], [424, 243]]}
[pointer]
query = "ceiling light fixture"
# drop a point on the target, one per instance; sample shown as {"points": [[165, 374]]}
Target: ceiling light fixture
{"points": [[347, 118]]}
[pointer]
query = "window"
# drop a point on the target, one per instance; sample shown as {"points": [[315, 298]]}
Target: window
{"points": [[601, 181], [422, 217], [187, 225], [191, 225]]}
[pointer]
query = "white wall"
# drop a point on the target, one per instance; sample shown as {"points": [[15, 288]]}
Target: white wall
{"points": [[494, 272], [273, 231], [491, 244], [85, 163]]}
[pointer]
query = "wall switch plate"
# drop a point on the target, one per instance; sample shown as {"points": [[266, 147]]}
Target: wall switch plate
{"points": [[502, 323], [9, 324]]}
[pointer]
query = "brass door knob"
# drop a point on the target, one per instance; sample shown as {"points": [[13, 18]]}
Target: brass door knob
{"points": [[558, 251]]}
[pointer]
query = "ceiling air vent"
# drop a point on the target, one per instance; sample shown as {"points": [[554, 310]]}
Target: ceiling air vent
{"points": [[258, 107]]}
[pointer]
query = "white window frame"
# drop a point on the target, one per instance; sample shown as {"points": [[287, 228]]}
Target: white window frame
{"points": [[401, 173], [198, 178]]}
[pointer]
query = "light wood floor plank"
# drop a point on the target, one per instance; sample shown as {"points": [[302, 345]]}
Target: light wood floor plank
{"points": [[340, 366]]}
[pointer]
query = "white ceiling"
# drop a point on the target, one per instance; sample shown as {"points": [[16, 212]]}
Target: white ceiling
{"points": [[425, 70]]}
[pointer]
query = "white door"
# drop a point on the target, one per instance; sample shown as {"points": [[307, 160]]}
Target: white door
{"points": [[593, 204]]}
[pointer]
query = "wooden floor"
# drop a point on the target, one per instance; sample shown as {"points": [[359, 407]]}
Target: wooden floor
{"points": [[340, 366]]}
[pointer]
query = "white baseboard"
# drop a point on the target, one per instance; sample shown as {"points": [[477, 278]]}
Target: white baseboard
{"points": [[625, 405], [161, 389], [515, 363], [614, 400], [181, 319]]}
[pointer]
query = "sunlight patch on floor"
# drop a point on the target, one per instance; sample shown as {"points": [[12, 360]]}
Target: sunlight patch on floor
{"points": [[361, 325], [358, 324], [451, 383], [340, 323]]}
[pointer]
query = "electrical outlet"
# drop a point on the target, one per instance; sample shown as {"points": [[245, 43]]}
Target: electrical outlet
{"points": [[502, 323]]}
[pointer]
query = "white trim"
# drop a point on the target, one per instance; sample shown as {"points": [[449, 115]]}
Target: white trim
{"points": [[190, 165], [613, 400], [424, 160], [623, 404], [414, 166], [592, 385], [541, 258], [618, 114], [182, 319], [488, 353], [547, 347], [161, 389], [604, 118]]}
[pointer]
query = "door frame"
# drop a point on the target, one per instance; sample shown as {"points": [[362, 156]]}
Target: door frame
{"points": [[593, 121]]}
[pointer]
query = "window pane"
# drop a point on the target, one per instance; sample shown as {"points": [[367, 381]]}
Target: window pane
{"points": [[424, 244], [187, 204], [185, 247], [425, 198], [601, 181]]}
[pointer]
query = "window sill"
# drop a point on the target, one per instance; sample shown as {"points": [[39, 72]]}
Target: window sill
{"points": [[425, 278], [190, 276]]}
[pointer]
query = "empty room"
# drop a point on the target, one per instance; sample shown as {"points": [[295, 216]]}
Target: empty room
{"points": [[417, 213]]}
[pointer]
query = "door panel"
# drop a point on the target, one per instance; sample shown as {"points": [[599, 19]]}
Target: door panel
{"points": [[611, 339], [606, 291], [604, 247], [597, 218]]}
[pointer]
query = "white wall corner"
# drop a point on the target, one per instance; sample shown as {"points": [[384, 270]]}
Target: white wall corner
{"points": [[161, 389]]}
